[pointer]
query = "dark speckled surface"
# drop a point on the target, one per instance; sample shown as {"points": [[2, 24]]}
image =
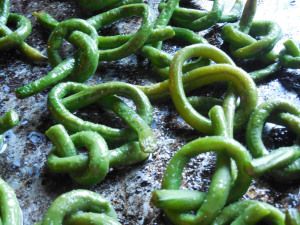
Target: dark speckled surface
{"points": [[22, 164]]}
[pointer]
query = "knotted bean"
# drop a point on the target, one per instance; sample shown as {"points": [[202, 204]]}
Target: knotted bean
{"points": [[198, 20], [178, 204], [91, 168], [16, 39], [69, 97], [242, 38], [284, 161], [80, 207], [8, 121], [239, 80], [83, 34]]}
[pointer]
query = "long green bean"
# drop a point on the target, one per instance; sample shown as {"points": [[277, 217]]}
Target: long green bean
{"points": [[16, 39], [80, 207], [68, 97]]}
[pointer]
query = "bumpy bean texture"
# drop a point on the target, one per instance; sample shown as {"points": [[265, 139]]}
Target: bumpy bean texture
{"points": [[91, 168], [244, 44], [282, 163], [69, 97], [136, 141], [84, 36], [80, 207], [16, 39]]}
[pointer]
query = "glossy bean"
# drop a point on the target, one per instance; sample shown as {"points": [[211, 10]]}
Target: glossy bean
{"points": [[80, 207]]}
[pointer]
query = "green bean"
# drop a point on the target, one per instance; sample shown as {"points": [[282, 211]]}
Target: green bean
{"points": [[68, 97], [8, 121], [219, 192], [162, 60], [249, 212], [92, 168], [203, 21], [242, 83], [71, 68], [16, 39], [78, 69], [197, 20], [109, 42], [282, 163], [244, 44], [290, 57], [80, 207], [10, 211], [292, 217], [96, 5]]}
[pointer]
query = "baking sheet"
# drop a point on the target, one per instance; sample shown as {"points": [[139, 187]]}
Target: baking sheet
{"points": [[129, 189]]}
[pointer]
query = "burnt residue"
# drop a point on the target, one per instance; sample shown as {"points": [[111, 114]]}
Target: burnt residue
{"points": [[129, 189]]}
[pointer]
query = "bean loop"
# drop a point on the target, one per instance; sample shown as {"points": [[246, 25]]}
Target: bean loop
{"points": [[92, 168], [16, 39], [80, 207], [66, 98]]}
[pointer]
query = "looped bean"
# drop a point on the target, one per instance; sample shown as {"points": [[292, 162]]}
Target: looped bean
{"points": [[68, 97], [10, 211], [8, 121], [244, 43], [79, 68], [80, 207], [244, 46], [89, 54], [177, 204], [250, 212], [96, 5], [136, 41], [16, 39], [92, 168], [282, 163], [162, 60], [240, 80], [290, 56], [197, 20]]}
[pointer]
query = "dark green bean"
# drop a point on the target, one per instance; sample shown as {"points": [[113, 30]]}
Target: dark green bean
{"points": [[244, 43]]}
